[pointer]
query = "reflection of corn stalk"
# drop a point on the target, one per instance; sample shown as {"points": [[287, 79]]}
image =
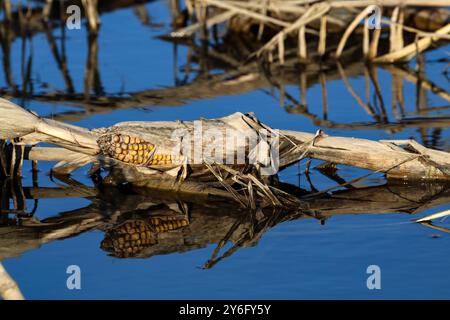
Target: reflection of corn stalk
{"points": [[6, 5], [47, 9], [8, 287], [180, 222], [90, 7]]}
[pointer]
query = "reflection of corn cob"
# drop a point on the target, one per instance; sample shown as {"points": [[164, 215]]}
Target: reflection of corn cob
{"points": [[168, 223], [128, 239], [131, 237], [135, 151]]}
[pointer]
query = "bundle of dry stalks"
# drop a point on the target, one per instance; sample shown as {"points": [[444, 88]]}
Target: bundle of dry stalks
{"points": [[411, 26]]}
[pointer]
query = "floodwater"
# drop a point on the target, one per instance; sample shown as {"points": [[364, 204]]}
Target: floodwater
{"points": [[370, 224]]}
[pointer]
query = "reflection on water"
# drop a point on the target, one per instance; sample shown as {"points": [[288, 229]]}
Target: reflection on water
{"points": [[141, 223]]}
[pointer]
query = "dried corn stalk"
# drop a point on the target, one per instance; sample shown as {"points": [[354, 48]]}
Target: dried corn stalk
{"points": [[143, 152]]}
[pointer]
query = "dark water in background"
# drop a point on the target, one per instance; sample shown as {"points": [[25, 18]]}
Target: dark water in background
{"points": [[298, 259]]}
